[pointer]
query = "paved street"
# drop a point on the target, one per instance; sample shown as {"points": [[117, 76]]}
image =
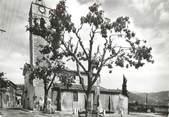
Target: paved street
{"points": [[25, 113], [17, 113]]}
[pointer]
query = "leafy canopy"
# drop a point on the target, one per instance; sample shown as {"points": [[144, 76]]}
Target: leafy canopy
{"points": [[106, 43]]}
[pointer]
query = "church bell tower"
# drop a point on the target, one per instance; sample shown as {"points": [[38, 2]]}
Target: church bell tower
{"points": [[34, 89], [37, 10]]}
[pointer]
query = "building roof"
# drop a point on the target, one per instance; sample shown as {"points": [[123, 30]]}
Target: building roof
{"points": [[74, 72], [76, 87], [6, 83]]}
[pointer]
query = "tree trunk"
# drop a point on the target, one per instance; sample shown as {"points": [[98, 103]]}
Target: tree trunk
{"points": [[87, 104], [45, 99], [88, 95], [59, 100]]}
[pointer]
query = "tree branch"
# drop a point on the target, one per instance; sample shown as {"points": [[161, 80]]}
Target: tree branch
{"points": [[51, 82], [81, 79], [102, 63], [110, 57], [73, 55], [92, 34], [80, 41], [79, 28], [90, 64]]}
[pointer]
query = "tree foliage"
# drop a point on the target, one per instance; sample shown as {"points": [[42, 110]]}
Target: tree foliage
{"points": [[124, 87], [3, 81], [2, 74]]}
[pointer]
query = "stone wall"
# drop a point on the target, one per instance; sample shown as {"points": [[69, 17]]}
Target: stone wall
{"points": [[8, 98], [39, 88], [28, 93], [116, 102], [68, 104], [113, 103]]}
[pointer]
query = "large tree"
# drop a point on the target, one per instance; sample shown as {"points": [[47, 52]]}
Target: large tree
{"points": [[95, 43]]}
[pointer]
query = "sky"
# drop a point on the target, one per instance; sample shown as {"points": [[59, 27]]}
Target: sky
{"points": [[150, 21]]}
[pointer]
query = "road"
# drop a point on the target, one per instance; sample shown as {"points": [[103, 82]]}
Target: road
{"points": [[25, 113], [16, 113]]}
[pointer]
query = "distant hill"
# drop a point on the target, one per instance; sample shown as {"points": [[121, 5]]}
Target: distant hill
{"points": [[160, 98]]}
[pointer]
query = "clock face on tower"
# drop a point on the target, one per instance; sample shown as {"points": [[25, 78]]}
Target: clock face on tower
{"points": [[42, 9]]}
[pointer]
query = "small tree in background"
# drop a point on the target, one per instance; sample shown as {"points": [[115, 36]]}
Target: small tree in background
{"points": [[106, 43], [2, 74], [2, 84], [124, 87], [47, 70]]}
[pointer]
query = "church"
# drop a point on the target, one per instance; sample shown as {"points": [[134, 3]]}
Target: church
{"points": [[73, 98], [63, 98]]}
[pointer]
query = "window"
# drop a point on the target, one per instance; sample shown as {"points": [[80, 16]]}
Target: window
{"points": [[75, 96]]}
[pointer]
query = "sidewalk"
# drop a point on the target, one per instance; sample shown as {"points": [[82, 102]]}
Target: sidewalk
{"points": [[56, 114]]}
